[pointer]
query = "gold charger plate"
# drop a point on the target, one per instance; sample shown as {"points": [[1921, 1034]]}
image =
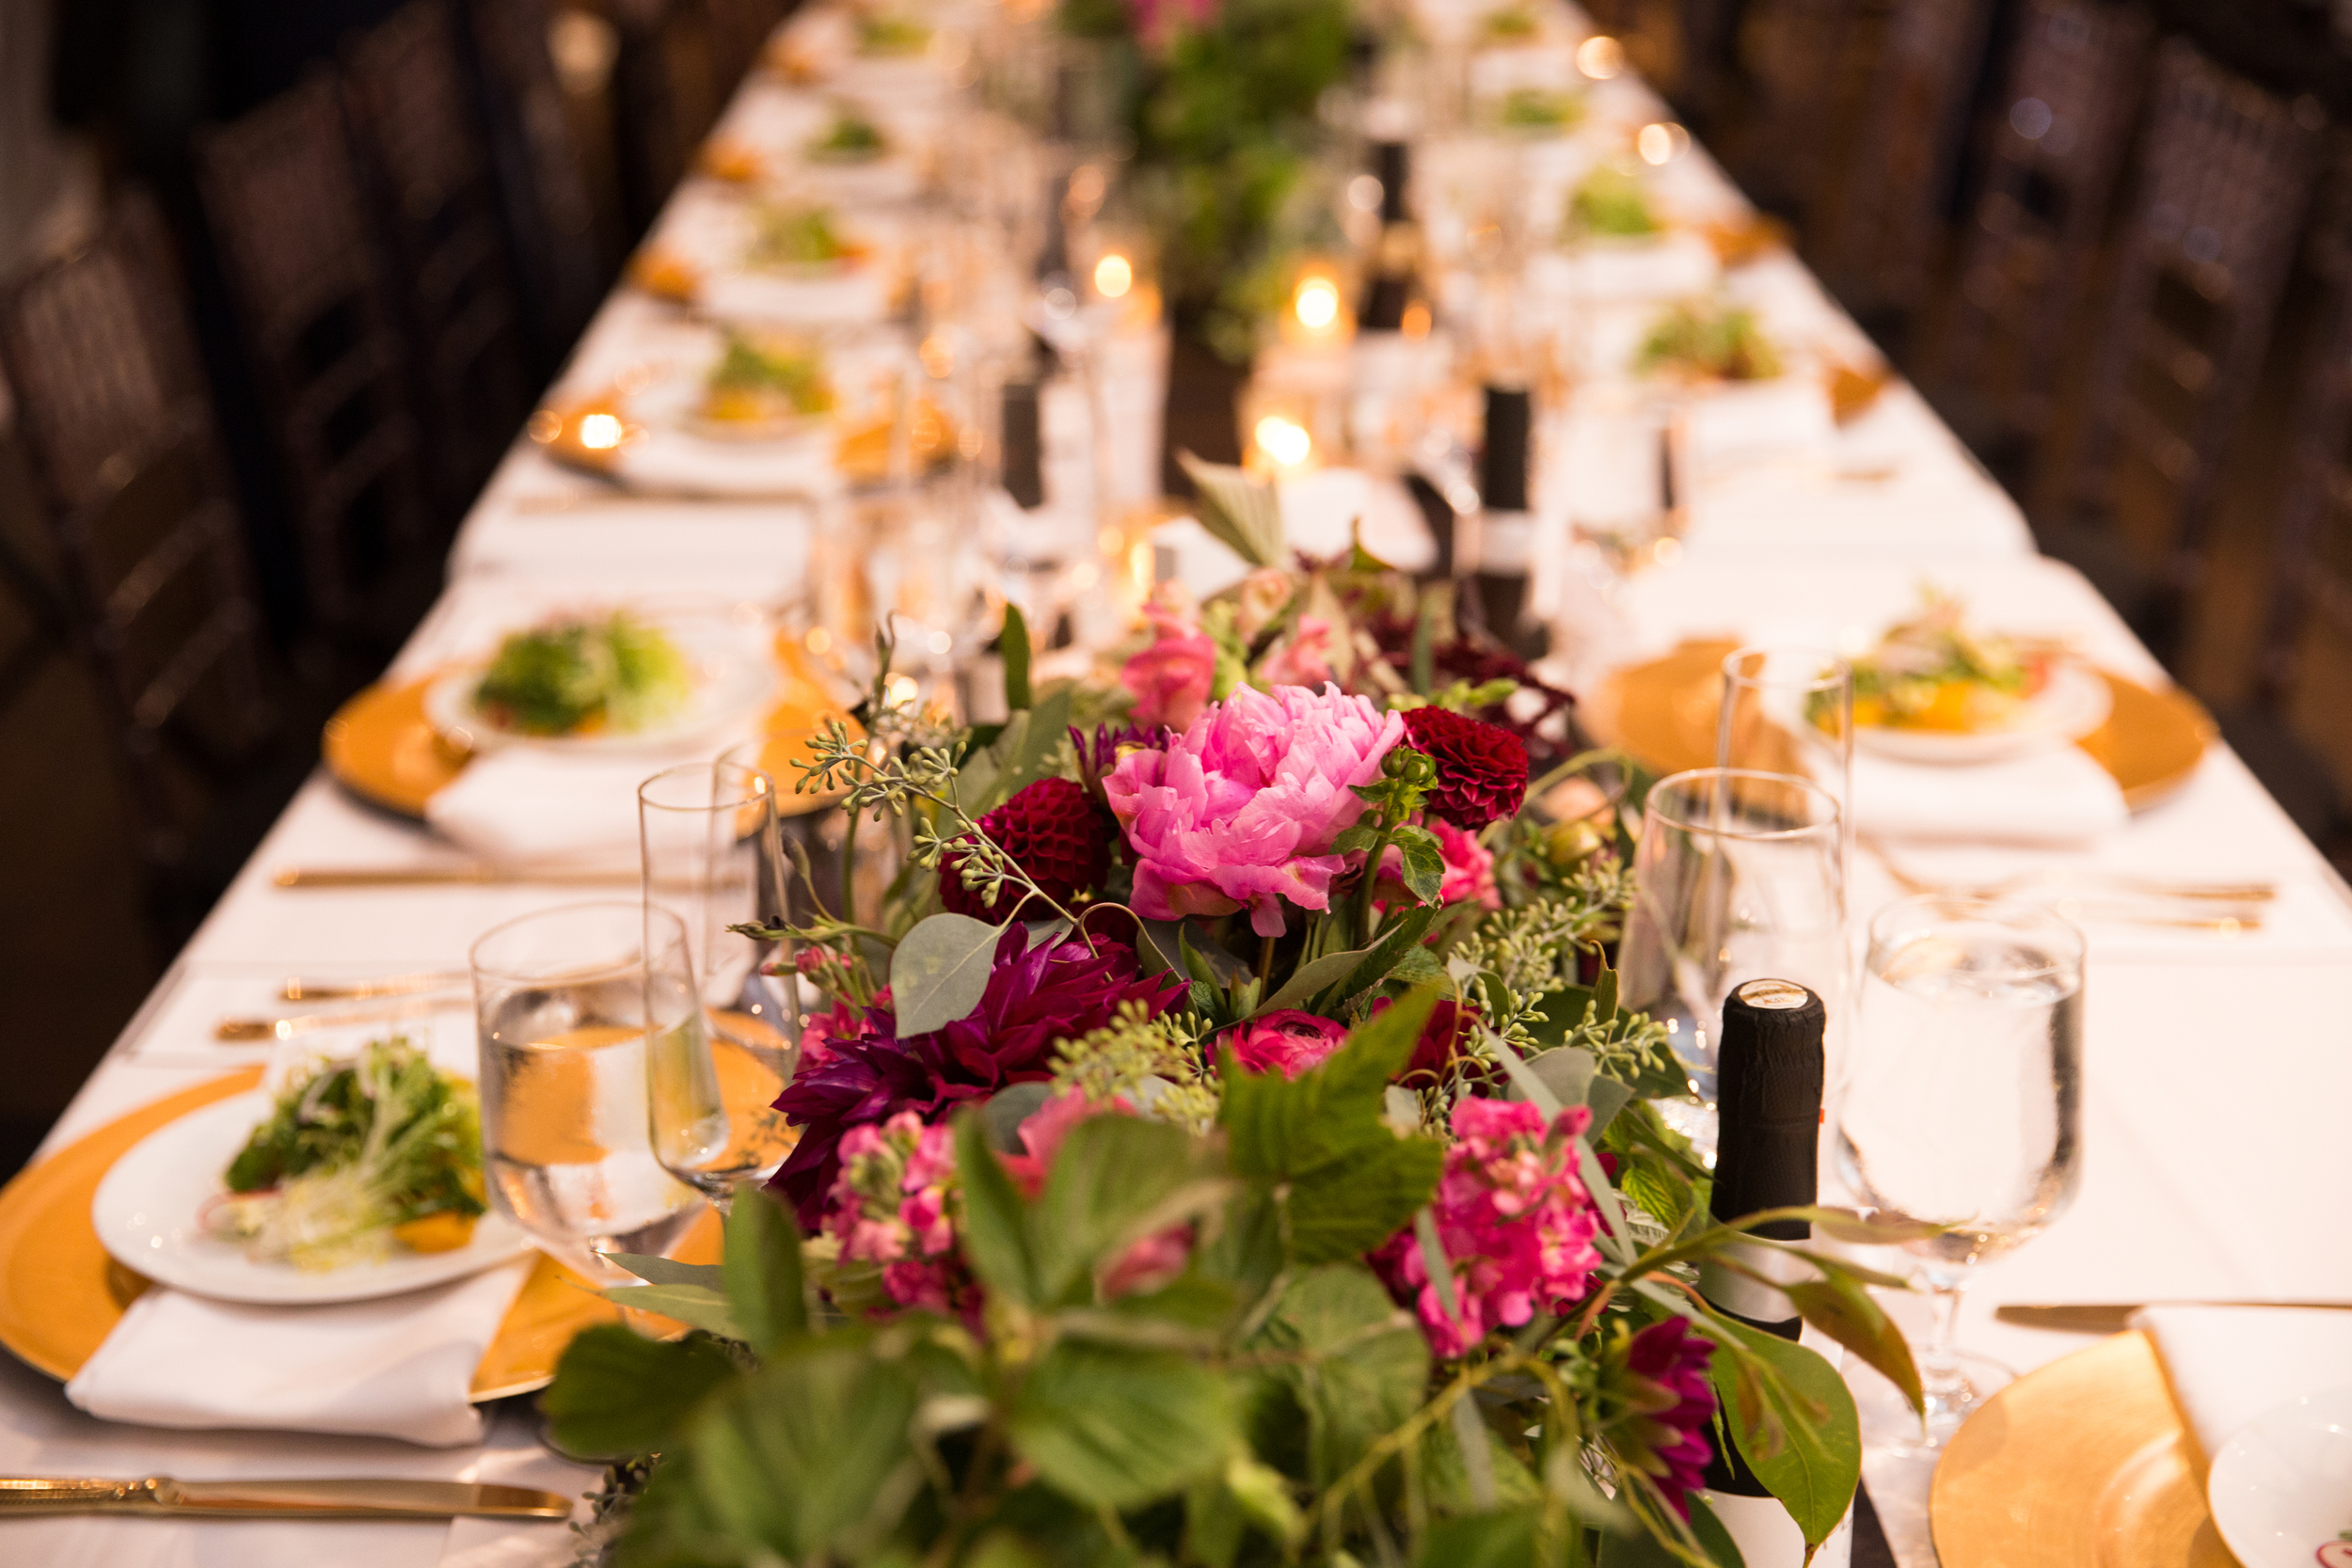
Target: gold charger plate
{"points": [[61, 1294], [1665, 712], [2081, 1464], [380, 746]]}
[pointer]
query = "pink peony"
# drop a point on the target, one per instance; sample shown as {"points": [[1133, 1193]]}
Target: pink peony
{"points": [[1240, 810], [1286, 1041], [1171, 678], [1516, 1224], [1303, 658]]}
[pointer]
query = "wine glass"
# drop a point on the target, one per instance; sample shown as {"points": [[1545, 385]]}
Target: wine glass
{"points": [[726, 1029], [560, 1011], [1788, 709], [1963, 1110], [1739, 875]]}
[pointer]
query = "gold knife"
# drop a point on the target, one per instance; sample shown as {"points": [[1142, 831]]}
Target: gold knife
{"points": [[2115, 1317], [353, 1498], [446, 876], [240, 1031]]}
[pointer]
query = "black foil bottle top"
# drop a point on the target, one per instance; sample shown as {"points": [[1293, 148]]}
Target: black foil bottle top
{"points": [[1393, 165], [1769, 1072], [1503, 461], [1022, 445]]}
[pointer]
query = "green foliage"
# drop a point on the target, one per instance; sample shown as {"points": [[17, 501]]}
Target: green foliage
{"points": [[1793, 1421], [939, 972], [617, 1393], [762, 1272], [1114, 1427]]}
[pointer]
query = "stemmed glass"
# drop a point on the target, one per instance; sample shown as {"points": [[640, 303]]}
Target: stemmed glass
{"points": [[1791, 710], [1963, 1110], [727, 1029], [1740, 875], [560, 1009]]}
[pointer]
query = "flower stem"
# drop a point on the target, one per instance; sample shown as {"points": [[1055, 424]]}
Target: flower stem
{"points": [[1372, 876]]}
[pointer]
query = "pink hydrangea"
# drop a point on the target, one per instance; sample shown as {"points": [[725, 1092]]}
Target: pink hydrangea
{"points": [[1516, 1224], [1172, 677], [1239, 812], [1286, 1041], [894, 1204]]}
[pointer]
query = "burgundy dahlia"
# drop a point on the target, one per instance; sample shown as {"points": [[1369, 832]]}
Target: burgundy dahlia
{"points": [[1482, 768], [1057, 991], [1054, 832], [1672, 1404]]}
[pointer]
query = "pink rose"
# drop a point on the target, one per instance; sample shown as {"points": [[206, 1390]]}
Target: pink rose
{"points": [[1286, 1041], [1240, 810], [1172, 677], [1303, 658], [1469, 870]]}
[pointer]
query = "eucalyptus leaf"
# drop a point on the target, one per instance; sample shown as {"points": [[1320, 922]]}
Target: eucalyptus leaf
{"points": [[617, 1393], [1311, 978], [668, 1270], [695, 1305], [940, 972], [1397, 936]]}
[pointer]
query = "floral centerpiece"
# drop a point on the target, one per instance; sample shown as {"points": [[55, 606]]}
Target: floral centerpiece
{"points": [[1226, 1147]]}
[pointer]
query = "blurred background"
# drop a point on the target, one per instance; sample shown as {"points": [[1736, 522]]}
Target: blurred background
{"points": [[2111, 242]]}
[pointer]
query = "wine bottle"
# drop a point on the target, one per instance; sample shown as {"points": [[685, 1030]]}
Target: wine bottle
{"points": [[1494, 550], [1394, 277], [1022, 445], [1770, 1069]]}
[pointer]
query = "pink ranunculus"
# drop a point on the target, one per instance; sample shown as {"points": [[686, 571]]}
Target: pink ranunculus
{"points": [[1239, 812], [1516, 1223], [1303, 658], [1172, 677], [1286, 1041], [1469, 871]]}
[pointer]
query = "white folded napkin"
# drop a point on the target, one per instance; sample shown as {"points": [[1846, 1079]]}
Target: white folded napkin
{"points": [[531, 802], [670, 462], [399, 1367], [860, 297], [2229, 1365], [2053, 796], [1673, 266]]}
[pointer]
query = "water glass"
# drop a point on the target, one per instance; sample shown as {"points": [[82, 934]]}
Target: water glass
{"points": [[560, 1011], [1963, 1108], [726, 1028], [1789, 709], [1739, 875]]}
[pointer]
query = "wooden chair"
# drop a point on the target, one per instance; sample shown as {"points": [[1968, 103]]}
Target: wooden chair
{"points": [[157, 591], [283, 202], [413, 116], [1884, 235], [566, 242], [667, 98], [2063, 125], [2227, 172], [1793, 70]]}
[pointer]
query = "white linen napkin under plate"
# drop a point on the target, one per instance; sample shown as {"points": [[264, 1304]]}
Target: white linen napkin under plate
{"points": [[2053, 796], [397, 1367], [670, 462], [2229, 1365], [531, 802]]}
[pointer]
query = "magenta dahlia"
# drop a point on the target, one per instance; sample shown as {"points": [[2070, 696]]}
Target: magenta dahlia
{"points": [[1670, 1405], [1482, 768], [1058, 837], [1058, 990]]}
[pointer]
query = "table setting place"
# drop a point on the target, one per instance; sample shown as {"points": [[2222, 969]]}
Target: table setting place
{"points": [[1208, 797]]}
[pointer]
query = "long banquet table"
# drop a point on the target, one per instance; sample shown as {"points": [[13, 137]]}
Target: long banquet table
{"points": [[2217, 1074]]}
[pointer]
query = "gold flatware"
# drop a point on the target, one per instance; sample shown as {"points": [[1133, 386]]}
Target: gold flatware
{"points": [[353, 1498], [2224, 908], [239, 1031], [298, 989], [447, 876], [2114, 1317]]}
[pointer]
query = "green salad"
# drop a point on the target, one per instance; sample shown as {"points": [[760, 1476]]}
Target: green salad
{"points": [[356, 1157], [1611, 202], [759, 381], [1934, 671], [797, 237], [581, 675], [1540, 109], [1708, 340], [892, 34], [851, 138]]}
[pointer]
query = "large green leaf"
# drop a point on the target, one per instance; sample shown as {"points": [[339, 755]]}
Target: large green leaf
{"points": [[1238, 508], [695, 1305], [1793, 1422], [618, 1393], [1843, 1311], [1508, 1538], [940, 970], [1351, 1180], [995, 1224], [1115, 1178], [797, 1456], [668, 1270], [1355, 1363], [1113, 1427], [1314, 976], [1640, 1549], [763, 1271]]}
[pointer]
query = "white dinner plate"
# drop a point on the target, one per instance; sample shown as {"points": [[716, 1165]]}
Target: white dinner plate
{"points": [[147, 1214], [2074, 703], [732, 673], [2280, 1490]]}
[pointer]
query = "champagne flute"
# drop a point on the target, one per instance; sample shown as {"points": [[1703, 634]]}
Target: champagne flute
{"points": [[1739, 875], [726, 1029], [560, 1011], [1788, 709], [1963, 1110]]}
